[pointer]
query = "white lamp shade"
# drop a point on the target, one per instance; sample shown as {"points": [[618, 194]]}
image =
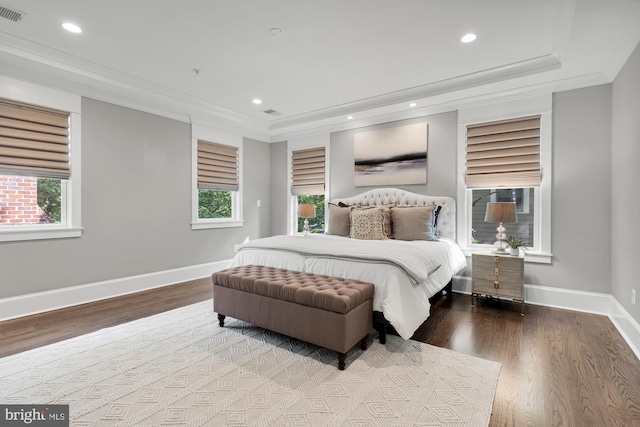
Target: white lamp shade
{"points": [[501, 212], [306, 211]]}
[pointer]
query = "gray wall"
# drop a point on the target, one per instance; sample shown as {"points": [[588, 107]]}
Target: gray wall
{"points": [[279, 188], [580, 216], [136, 207], [441, 157], [625, 184], [580, 191]]}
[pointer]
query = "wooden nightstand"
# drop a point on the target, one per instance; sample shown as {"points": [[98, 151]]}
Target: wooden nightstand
{"points": [[499, 276]]}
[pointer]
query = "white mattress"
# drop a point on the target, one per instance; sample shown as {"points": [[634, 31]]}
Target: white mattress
{"points": [[402, 299]]}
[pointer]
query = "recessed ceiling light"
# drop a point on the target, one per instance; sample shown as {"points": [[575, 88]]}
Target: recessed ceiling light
{"points": [[276, 32], [72, 28], [467, 38], [257, 101], [413, 104], [349, 117]]}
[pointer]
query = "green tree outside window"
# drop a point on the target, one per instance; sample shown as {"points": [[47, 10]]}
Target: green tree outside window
{"points": [[214, 204]]}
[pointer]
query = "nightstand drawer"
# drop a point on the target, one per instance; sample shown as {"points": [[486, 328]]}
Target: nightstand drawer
{"points": [[483, 273], [483, 262], [510, 276], [484, 287], [510, 290], [502, 275], [506, 263]]}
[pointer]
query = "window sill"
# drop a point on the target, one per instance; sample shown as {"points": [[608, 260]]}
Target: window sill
{"points": [[529, 256], [40, 233], [203, 225]]}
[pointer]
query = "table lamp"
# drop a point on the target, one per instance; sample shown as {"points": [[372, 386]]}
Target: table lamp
{"points": [[501, 212], [306, 211]]}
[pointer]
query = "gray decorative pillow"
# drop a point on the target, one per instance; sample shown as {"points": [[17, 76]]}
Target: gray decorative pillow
{"points": [[413, 223], [339, 220], [367, 224]]}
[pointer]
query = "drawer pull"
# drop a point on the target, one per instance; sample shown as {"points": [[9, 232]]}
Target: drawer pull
{"points": [[496, 260], [496, 272], [496, 285]]}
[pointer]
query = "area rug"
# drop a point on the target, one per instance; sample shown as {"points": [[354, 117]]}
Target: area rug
{"points": [[180, 368]]}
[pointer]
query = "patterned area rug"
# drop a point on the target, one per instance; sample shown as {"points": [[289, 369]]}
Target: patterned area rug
{"points": [[180, 368]]}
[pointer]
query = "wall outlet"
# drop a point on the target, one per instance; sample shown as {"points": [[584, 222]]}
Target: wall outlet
{"points": [[633, 297]]}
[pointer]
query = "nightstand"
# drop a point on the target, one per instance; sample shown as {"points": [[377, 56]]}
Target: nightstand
{"points": [[500, 276]]}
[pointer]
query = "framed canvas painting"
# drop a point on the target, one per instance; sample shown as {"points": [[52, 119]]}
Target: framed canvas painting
{"points": [[392, 156]]}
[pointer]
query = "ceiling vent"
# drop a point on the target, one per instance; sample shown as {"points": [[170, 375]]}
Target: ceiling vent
{"points": [[11, 14], [272, 112]]}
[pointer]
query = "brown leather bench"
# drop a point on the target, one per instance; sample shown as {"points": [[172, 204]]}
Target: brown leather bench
{"points": [[331, 312]]}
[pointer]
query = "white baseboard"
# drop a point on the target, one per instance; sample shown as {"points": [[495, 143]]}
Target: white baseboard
{"points": [[588, 302], [628, 327], [25, 305]]}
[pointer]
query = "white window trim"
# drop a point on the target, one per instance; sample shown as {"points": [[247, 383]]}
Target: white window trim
{"points": [[303, 143], [71, 222], [219, 137], [520, 107]]}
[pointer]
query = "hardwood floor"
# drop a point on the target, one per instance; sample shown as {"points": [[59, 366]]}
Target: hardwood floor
{"points": [[25, 333], [559, 368]]}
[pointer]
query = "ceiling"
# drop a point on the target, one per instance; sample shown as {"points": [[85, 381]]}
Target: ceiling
{"points": [[334, 58]]}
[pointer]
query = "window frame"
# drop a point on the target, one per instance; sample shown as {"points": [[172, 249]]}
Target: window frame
{"points": [[71, 189], [204, 133], [519, 107], [305, 143]]}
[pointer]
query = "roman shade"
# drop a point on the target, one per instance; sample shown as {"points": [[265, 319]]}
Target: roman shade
{"points": [[217, 167], [307, 171], [504, 154], [34, 141]]}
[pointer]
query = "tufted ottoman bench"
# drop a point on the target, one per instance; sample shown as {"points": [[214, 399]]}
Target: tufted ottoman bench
{"points": [[331, 312]]}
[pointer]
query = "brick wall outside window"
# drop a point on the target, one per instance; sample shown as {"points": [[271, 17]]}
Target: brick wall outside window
{"points": [[19, 201]]}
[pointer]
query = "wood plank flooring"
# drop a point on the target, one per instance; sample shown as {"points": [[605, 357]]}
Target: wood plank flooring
{"points": [[559, 368]]}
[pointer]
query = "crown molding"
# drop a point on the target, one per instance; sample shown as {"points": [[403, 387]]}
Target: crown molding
{"points": [[445, 102], [509, 71], [38, 64]]}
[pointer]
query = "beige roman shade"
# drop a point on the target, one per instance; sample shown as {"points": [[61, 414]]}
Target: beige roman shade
{"points": [[34, 141], [504, 154], [217, 167], [307, 171]]}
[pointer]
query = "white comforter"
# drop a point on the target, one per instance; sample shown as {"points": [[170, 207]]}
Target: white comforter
{"points": [[405, 273]]}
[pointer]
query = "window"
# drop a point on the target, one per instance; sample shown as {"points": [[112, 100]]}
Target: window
{"points": [[39, 164], [484, 233], [214, 204], [217, 183], [316, 225], [505, 153], [308, 185]]}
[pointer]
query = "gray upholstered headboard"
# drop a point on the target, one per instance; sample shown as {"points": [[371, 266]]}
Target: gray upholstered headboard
{"points": [[387, 196]]}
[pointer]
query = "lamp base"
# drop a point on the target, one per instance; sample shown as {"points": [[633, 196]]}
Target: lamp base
{"points": [[305, 228], [501, 241]]}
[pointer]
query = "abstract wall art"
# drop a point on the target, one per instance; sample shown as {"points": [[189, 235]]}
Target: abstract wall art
{"points": [[391, 156]]}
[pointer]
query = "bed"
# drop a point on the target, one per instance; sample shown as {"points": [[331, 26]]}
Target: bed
{"points": [[408, 269]]}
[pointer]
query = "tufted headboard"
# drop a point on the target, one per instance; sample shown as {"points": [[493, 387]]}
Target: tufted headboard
{"points": [[396, 196]]}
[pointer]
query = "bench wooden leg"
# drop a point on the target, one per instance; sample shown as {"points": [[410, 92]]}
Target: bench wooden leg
{"points": [[364, 343], [342, 358], [221, 319]]}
